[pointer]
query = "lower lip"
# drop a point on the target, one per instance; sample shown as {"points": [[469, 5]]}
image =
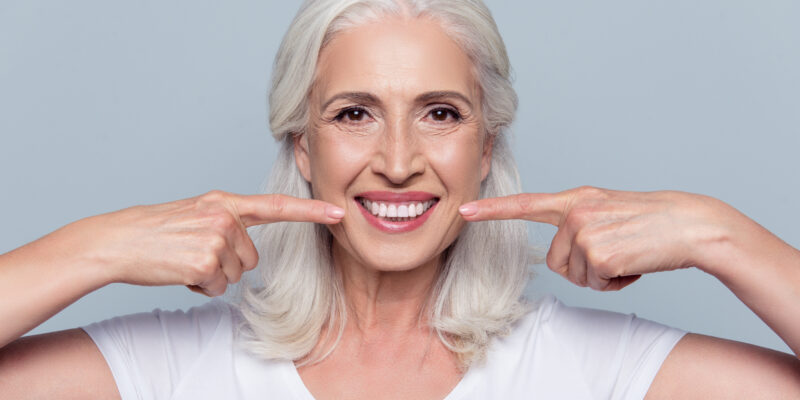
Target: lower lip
{"points": [[395, 227]]}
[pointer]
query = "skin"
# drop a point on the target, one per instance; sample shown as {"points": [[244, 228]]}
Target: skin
{"points": [[200, 242], [605, 240], [399, 142]]}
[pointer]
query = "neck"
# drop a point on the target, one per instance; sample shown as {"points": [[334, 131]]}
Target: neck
{"points": [[385, 302]]}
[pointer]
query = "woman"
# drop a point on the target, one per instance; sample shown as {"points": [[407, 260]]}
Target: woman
{"points": [[392, 118]]}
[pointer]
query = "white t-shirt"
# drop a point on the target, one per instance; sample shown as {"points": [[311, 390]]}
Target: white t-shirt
{"points": [[555, 351]]}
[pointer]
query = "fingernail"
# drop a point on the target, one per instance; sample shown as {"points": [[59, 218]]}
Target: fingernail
{"points": [[334, 212], [468, 209]]}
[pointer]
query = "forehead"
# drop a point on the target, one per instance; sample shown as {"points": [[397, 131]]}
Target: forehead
{"points": [[394, 55]]}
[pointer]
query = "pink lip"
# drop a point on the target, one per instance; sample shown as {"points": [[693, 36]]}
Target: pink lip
{"points": [[396, 227], [396, 197]]}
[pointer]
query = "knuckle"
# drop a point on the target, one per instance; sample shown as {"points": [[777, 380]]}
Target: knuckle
{"points": [[213, 195], [206, 265], [598, 284], [236, 276], [194, 275], [583, 239], [590, 191], [601, 262], [523, 203], [216, 243], [578, 280], [214, 291], [562, 270], [219, 286], [550, 259], [278, 203], [223, 221], [577, 218], [594, 257], [253, 263]]}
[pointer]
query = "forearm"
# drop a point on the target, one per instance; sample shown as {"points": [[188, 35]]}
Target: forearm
{"points": [[40, 279], [764, 273]]}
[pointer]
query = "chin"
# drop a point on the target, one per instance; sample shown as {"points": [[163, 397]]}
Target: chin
{"points": [[387, 257], [398, 261]]}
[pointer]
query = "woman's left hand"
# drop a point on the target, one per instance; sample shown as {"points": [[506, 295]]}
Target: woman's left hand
{"points": [[607, 239]]}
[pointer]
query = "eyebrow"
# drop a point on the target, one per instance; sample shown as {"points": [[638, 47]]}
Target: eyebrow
{"points": [[369, 98], [442, 94], [356, 97]]}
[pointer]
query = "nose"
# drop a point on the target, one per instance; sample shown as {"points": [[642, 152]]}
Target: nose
{"points": [[399, 157]]}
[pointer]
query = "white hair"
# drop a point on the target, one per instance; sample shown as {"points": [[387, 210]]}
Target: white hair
{"points": [[478, 291]]}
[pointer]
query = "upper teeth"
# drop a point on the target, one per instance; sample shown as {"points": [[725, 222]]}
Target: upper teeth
{"points": [[397, 210]]}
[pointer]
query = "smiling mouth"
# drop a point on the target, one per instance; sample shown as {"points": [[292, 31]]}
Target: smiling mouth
{"points": [[404, 211]]}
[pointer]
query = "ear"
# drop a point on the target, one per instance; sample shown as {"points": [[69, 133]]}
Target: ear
{"points": [[486, 157], [301, 156]]}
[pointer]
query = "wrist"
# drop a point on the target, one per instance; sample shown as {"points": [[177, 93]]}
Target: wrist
{"points": [[725, 239], [70, 248], [741, 250]]}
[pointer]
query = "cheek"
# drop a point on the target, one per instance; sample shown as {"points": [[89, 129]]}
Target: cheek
{"points": [[334, 164], [458, 165]]}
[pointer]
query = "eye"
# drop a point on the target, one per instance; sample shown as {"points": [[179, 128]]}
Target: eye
{"points": [[352, 114], [440, 114]]}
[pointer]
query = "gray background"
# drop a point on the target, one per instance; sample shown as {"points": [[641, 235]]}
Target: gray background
{"points": [[105, 105]]}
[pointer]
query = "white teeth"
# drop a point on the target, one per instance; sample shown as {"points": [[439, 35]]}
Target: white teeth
{"points": [[403, 212]]}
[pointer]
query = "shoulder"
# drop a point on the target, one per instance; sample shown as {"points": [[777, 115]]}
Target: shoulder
{"points": [[188, 354], [562, 350], [551, 319], [149, 353], [194, 326]]}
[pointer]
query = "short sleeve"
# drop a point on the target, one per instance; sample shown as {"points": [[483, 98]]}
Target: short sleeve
{"points": [[619, 354], [149, 353]]}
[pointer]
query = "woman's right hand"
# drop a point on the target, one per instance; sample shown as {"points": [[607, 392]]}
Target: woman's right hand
{"points": [[200, 242]]}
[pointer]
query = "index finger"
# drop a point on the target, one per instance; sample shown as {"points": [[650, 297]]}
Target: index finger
{"points": [[260, 209], [538, 207]]}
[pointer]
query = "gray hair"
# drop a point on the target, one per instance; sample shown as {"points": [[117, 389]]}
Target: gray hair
{"points": [[478, 292]]}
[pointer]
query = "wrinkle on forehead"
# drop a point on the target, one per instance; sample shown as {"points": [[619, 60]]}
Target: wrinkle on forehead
{"points": [[396, 56]]}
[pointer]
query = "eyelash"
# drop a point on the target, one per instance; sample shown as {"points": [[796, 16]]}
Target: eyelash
{"points": [[453, 113]]}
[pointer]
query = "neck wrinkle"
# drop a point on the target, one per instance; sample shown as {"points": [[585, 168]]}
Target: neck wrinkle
{"points": [[385, 302]]}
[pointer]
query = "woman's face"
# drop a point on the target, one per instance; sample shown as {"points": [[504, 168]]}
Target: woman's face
{"points": [[395, 138]]}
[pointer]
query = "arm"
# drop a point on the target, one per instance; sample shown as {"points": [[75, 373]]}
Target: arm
{"points": [[607, 239], [763, 272], [37, 281], [199, 242], [56, 365], [43, 277]]}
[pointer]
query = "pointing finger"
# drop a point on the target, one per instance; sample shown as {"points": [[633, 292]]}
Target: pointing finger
{"points": [[266, 208], [537, 207]]}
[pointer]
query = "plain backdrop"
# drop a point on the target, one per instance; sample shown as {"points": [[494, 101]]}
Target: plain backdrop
{"points": [[109, 104]]}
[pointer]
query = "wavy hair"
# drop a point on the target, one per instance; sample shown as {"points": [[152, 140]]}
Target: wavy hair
{"points": [[478, 290]]}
